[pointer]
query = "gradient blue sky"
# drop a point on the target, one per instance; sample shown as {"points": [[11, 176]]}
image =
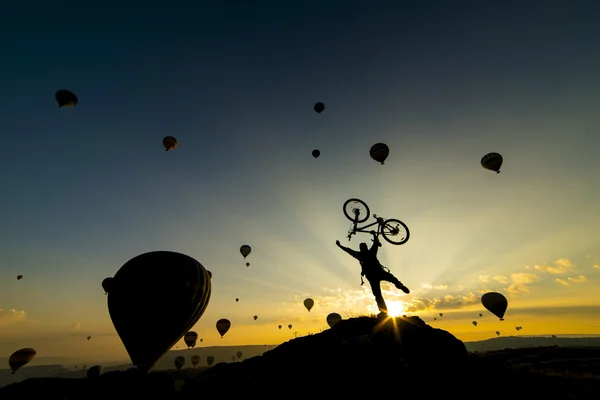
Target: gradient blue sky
{"points": [[441, 82]]}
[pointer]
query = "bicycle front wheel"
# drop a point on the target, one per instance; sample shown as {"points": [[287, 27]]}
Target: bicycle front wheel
{"points": [[395, 231], [356, 210]]}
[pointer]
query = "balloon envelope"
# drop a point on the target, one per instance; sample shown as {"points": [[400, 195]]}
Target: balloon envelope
{"points": [[167, 289], [190, 338], [106, 284], [309, 303], [239, 354], [20, 358], [210, 360], [179, 362], [316, 153], [223, 326], [170, 143], [333, 319], [245, 250], [495, 303], [19, 277], [379, 152], [65, 98], [319, 107], [195, 359], [94, 371], [492, 161]]}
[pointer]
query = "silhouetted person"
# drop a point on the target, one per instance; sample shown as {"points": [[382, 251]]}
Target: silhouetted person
{"points": [[373, 270]]}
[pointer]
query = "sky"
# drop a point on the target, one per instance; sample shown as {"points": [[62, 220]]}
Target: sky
{"points": [[441, 83]]}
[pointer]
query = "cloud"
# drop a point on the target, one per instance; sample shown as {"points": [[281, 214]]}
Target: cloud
{"points": [[76, 326], [578, 279], [560, 266], [563, 282], [500, 279], [520, 281], [446, 302], [11, 317], [437, 287], [484, 278], [596, 266]]}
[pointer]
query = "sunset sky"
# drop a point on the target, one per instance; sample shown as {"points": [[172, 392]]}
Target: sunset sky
{"points": [[442, 83]]}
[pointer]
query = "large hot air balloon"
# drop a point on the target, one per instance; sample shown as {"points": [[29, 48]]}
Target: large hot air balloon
{"points": [[106, 284], [319, 107], [379, 152], [19, 277], [239, 354], [210, 360], [20, 357], [495, 303], [170, 143], [223, 326], [245, 250], [94, 371], [190, 339], [170, 289], [333, 319], [65, 98], [316, 153], [179, 362], [309, 303], [195, 359], [492, 162]]}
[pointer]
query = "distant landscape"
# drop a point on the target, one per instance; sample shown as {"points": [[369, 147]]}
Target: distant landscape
{"points": [[64, 367]]}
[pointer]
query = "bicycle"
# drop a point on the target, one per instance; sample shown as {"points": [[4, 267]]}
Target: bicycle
{"points": [[388, 228]]}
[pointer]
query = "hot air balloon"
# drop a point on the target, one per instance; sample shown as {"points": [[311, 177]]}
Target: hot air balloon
{"points": [[66, 99], [201, 340], [474, 323], [190, 339], [255, 317], [441, 314], [239, 354], [94, 371], [19, 277], [236, 300], [481, 315], [492, 162], [20, 358], [179, 362], [106, 284], [319, 107], [279, 326], [210, 360], [290, 326], [495, 303], [309, 303], [379, 152], [434, 318], [89, 337], [316, 153], [247, 264], [170, 143], [223, 326], [171, 289], [497, 333], [245, 250], [333, 319], [195, 359], [209, 274]]}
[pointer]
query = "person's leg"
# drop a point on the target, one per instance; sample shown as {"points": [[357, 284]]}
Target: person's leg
{"points": [[387, 276], [376, 289]]}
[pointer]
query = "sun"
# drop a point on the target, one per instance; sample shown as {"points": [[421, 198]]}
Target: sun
{"points": [[396, 308]]}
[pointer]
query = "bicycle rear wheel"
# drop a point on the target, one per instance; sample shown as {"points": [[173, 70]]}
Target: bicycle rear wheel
{"points": [[395, 231], [356, 208]]}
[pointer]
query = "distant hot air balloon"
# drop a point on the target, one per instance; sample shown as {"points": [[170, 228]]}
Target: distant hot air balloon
{"points": [[236, 300], [19, 277], [106, 284], [316, 153], [333, 319], [474, 323], [279, 326], [255, 317], [89, 337], [179, 362], [492, 162], [434, 318], [170, 143], [290, 326], [210, 360], [94, 371], [66, 99], [245, 250], [195, 359], [319, 107], [247, 264], [171, 289], [223, 326], [379, 152], [441, 314], [190, 339], [309, 303], [497, 333], [495, 303], [239, 354], [20, 358], [201, 340], [481, 315]]}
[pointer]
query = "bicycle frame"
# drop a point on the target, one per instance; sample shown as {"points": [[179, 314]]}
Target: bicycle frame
{"points": [[356, 228]]}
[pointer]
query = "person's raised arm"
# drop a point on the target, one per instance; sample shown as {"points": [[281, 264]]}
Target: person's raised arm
{"points": [[353, 253]]}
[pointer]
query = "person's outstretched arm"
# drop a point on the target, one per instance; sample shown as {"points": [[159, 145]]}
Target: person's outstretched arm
{"points": [[353, 253]]}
